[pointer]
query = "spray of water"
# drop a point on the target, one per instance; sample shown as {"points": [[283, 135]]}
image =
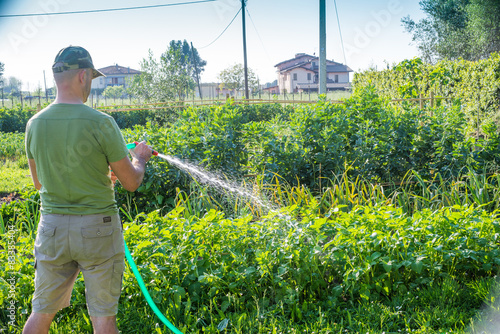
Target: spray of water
{"points": [[204, 177]]}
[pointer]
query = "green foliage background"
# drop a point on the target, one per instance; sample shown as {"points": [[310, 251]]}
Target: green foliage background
{"points": [[454, 29], [14, 119], [475, 83], [364, 138]]}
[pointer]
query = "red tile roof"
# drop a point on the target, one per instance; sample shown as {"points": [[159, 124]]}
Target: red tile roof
{"points": [[118, 70], [305, 61]]}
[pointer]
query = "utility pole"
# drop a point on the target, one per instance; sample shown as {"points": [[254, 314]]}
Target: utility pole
{"points": [[45, 84], [322, 46], [196, 69], [244, 48]]}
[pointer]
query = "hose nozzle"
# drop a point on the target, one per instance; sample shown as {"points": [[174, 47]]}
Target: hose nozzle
{"points": [[131, 146]]}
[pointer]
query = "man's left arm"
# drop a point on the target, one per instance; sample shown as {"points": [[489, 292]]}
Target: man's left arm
{"points": [[34, 177]]}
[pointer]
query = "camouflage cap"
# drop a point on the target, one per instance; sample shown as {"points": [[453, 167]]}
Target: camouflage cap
{"points": [[73, 58]]}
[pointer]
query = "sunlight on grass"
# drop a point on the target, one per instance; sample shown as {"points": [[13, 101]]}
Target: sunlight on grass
{"points": [[14, 176]]}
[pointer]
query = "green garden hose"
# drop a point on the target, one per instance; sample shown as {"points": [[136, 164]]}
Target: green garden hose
{"points": [[146, 293], [138, 277]]}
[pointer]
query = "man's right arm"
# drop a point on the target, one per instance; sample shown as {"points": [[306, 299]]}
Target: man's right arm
{"points": [[131, 173]]}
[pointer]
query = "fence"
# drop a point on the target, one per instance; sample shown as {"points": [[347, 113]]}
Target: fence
{"points": [[31, 101], [197, 103], [108, 104], [100, 101]]}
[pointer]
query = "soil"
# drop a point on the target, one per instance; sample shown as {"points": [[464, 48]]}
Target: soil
{"points": [[9, 197]]}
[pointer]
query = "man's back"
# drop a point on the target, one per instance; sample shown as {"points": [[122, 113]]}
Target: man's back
{"points": [[72, 145]]}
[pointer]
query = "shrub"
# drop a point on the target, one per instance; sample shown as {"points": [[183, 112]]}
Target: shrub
{"points": [[475, 83]]}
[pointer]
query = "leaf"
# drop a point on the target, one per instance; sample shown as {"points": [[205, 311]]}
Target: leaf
{"points": [[223, 324], [375, 256], [318, 223], [417, 266], [250, 270], [225, 305]]}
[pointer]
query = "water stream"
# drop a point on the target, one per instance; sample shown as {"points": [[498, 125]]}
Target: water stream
{"points": [[205, 177]]}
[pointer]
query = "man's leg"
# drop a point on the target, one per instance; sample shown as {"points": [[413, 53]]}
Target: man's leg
{"points": [[102, 265], [38, 323], [104, 325], [55, 273]]}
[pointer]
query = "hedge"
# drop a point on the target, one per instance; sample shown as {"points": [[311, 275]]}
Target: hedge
{"points": [[475, 83]]}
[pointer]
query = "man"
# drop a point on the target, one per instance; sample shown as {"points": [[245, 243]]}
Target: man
{"points": [[71, 148]]}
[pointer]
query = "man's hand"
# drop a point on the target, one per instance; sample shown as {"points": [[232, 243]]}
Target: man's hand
{"points": [[141, 152], [112, 176], [131, 173]]}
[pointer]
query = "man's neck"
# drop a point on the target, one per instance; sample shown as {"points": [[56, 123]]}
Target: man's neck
{"points": [[68, 99]]}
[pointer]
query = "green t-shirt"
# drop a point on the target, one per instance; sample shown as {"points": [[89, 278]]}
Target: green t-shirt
{"points": [[72, 145]]}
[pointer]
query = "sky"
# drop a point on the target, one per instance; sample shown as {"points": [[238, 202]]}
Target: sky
{"points": [[276, 30]]}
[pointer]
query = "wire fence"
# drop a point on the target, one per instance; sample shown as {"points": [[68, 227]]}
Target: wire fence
{"points": [[28, 102], [421, 102], [130, 103], [32, 102], [265, 97]]}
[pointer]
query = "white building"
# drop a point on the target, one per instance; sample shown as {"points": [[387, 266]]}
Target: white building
{"points": [[115, 75], [209, 90], [301, 74]]}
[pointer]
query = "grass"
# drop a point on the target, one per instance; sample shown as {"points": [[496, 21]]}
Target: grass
{"points": [[14, 175]]}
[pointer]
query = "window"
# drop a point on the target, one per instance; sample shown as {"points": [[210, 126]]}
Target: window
{"points": [[114, 81], [308, 76], [336, 78], [295, 76]]}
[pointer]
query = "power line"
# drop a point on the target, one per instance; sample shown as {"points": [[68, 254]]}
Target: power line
{"points": [[106, 10], [222, 31], [340, 32], [258, 35]]}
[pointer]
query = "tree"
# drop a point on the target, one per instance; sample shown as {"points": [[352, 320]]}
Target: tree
{"points": [[484, 26], [38, 91], [165, 79], [147, 84], [13, 86], [442, 34], [454, 29], [234, 78], [2, 68], [114, 92], [190, 59]]}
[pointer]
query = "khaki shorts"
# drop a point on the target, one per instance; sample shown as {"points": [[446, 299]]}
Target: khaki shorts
{"points": [[68, 244]]}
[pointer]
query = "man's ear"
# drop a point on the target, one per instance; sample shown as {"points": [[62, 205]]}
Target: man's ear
{"points": [[82, 74]]}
